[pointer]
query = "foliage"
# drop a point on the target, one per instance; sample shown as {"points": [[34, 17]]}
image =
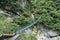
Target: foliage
{"points": [[12, 24], [29, 36], [50, 11], [7, 2], [22, 20], [6, 25]]}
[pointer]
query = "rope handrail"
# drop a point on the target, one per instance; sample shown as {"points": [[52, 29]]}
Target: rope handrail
{"points": [[30, 25], [27, 26]]}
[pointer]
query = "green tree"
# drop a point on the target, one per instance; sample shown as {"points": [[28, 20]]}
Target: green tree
{"points": [[50, 11]]}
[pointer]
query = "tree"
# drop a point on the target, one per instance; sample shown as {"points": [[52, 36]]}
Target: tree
{"points": [[50, 11]]}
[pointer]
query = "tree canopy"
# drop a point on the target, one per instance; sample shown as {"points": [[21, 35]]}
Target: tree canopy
{"points": [[49, 9]]}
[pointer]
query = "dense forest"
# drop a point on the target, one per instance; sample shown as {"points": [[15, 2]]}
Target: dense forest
{"points": [[20, 12]]}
